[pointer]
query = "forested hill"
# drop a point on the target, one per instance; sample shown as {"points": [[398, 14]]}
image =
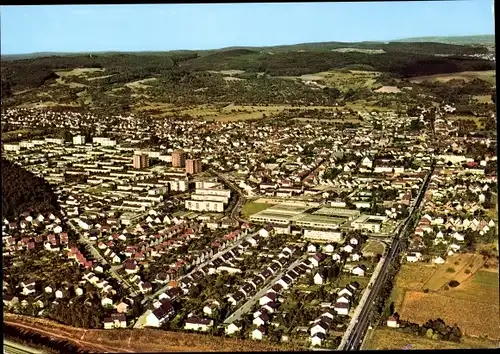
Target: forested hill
{"points": [[23, 191]]}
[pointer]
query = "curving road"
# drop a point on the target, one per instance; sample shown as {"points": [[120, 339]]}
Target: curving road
{"points": [[355, 338]]}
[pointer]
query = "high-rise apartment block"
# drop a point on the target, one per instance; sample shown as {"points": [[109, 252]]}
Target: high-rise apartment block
{"points": [[178, 158], [79, 140], [141, 161], [193, 166]]}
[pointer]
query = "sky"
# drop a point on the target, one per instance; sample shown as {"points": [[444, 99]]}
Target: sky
{"points": [[162, 27]]}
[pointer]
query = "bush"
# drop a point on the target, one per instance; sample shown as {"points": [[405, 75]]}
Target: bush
{"points": [[454, 283], [450, 270], [457, 263], [486, 266], [467, 271], [446, 287], [426, 291]]}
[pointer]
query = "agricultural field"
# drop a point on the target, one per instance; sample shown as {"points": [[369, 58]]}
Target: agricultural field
{"points": [[342, 79], [488, 76], [473, 305], [391, 339], [479, 122], [141, 84]]}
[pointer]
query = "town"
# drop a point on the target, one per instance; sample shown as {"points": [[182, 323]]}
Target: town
{"points": [[273, 229]]}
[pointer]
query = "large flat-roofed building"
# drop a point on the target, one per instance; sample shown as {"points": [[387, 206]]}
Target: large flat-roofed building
{"points": [[372, 223], [200, 205], [218, 198], [214, 191], [279, 214], [318, 221], [339, 213], [208, 200], [323, 235]]}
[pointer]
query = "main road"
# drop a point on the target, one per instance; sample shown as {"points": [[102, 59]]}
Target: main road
{"points": [[355, 338]]}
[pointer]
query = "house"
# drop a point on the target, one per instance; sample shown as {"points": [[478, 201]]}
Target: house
{"points": [[266, 231], [271, 307], [210, 308], [59, 294], [159, 315], [119, 319], [130, 266], [198, 324], [122, 307], [359, 270], [328, 248], [258, 333], [346, 291], [319, 327], [311, 248], [318, 279], [108, 323], [269, 297], [317, 339], [355, 257], [392, 322], [233, 328], [106, 301], [438, 260], [341, 308], [316, 259], [261, 320], [10, 300], [235, 298], [345, 298], [348, 248], [414, 257], [48, 290]]}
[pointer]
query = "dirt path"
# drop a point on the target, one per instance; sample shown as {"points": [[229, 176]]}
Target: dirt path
{"points": [[69, 338]]}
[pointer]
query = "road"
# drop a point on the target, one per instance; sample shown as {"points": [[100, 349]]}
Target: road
{"points": [[16, 348], [248, 305], [355, 339], [201, 265], [95, 253], [241, 197]]}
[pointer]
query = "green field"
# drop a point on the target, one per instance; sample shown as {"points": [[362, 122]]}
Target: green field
{"points": [[251, 208]]}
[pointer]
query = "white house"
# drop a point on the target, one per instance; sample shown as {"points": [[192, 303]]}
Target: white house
{"points": [[414, 257], [258, 333], [311, 248], [392, 322], [348, 248], [359, 270], [198, 324], [438, 260], [317, 339], [233, 328], [318, 279]]}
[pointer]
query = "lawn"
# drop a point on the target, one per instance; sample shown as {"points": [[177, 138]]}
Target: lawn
{"points": [[251, 208], [392, 339], [373, 247]]}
